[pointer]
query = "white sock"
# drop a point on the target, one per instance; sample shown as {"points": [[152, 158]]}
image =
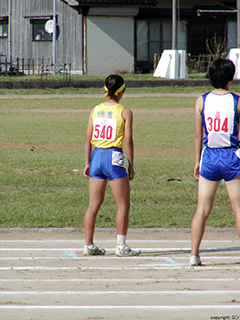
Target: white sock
{"points": [[121, 240]]}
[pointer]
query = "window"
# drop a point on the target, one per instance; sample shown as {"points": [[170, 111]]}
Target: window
{"points": [[148, 39], [153, 36], [3, 27], [142, 40], [39, 32], [199, 36]]}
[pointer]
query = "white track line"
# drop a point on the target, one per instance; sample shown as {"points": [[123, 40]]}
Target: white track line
{"points": [[85, 293], [110, 250], [117, 258], [148, 267], [81, 249], [114, 241], [157, 280], [164, 267], [170, 308]]}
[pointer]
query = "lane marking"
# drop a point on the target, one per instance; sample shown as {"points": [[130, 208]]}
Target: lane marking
{"points": [[173, 263], [149, 267], [81, 249], [159, 261], [75, 257], [157, 280], [113, 241], [170, 308], [165, 292], [144, 250], [71, 254], [84, 268]]}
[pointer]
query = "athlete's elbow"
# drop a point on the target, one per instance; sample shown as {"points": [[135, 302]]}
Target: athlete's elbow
{"points": [[129, 142], [87, 140]]}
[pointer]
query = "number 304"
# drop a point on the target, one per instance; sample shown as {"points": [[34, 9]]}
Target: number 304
{"points": [[216, 125]]}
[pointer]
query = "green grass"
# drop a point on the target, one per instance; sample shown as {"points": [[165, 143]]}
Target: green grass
{"points": [[38, 184], [93, 90], [60, 78], [198, 90]]}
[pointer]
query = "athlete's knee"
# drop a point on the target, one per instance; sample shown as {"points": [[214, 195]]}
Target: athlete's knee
{"points": [[237, 214], [202, 213], [94, 207], [124, 206]]}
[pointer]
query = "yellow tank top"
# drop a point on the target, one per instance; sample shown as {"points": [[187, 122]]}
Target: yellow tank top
{"points": [[108, 126]]}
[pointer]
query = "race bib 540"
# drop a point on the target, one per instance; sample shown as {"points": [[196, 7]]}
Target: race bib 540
{"points": [[104, 129]]}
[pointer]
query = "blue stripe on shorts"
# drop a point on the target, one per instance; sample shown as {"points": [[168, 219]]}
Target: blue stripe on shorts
{"points": [[101, 165], [219, 163]]}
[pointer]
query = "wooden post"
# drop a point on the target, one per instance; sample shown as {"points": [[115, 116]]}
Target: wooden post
{"points": [[33, 65], [28, 66], [23, 65]]}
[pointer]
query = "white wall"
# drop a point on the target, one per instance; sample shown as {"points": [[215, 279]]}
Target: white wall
{"points": [[110, 45]]}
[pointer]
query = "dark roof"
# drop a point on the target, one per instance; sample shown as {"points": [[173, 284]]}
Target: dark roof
{"points": [[118, 2]]}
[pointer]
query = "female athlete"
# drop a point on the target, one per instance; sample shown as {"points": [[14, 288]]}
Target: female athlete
{"points": [[217, 113], [109, 123]]}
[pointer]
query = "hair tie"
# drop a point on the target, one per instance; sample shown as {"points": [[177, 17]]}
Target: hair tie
{"points": [[119, 90], [105, 89]]}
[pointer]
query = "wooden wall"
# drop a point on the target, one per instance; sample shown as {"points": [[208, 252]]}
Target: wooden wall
{"points": [[68, 44]]}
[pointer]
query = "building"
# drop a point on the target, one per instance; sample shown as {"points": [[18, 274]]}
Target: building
{"points": [[104, 36]]}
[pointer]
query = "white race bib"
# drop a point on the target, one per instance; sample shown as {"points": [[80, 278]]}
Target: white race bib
{"points": [[104, 129]]}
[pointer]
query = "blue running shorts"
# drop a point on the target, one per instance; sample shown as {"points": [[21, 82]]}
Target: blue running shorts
{"points": [[220, 163], [108, 164]]}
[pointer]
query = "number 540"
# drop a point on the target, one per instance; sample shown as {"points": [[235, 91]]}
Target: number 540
{"points": [[104, 133]]}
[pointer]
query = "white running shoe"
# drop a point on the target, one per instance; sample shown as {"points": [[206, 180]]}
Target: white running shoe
{"points": [[93, 250], [126, 251], [195, 261]]}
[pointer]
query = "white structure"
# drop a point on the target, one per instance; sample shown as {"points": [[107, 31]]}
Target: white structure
{"points": [[234, 55], [172, 65]]}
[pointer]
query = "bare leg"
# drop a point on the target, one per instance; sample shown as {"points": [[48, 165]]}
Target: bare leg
{"points": [[97, 189], [233, 188], [206, 195], [121, 192]]}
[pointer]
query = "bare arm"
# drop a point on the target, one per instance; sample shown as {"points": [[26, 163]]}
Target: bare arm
{"points": [[129, 145], [198, 135], [88, 146]]}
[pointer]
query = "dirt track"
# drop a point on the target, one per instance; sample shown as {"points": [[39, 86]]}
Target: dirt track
{"points": [[44, 275]]}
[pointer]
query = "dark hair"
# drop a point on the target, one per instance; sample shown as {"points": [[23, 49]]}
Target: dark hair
{"points": [[113, 82], [220, 72]]}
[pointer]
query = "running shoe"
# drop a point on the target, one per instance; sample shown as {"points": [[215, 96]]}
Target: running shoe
{"points": [[93, 250], [195, 261], [125, 251]]}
